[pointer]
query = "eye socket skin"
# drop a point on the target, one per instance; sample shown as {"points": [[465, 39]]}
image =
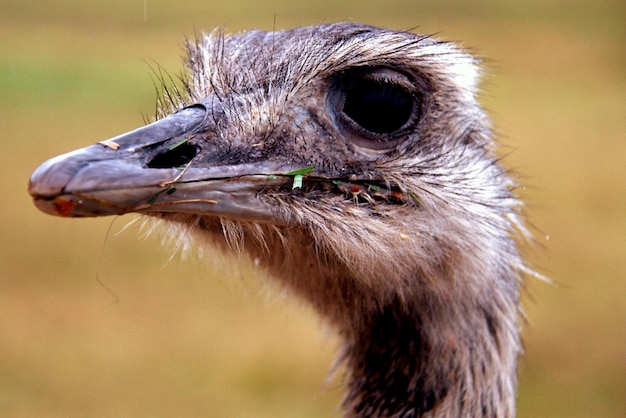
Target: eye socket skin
{"points": [[374, 108]]}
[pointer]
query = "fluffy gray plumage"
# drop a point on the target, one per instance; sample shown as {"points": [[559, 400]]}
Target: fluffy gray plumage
{"points": [[403, 237]]}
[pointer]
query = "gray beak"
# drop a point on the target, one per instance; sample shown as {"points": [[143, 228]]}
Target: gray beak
{"points": [[151, 170]]}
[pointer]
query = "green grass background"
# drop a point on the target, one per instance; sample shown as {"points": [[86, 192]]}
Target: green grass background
{"points": [[193, 337]]}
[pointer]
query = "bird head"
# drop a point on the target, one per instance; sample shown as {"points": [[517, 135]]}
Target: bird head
{"points": [[367, 143]]}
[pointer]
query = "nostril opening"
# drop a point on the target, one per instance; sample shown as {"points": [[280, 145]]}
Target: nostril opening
{"points": [[178, 156]]}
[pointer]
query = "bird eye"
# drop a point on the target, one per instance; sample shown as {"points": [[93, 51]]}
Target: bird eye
{"points": [[378, 106], [375, 108]]}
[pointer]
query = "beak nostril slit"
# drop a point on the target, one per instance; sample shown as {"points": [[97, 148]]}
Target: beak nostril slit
{"points": [[175, 157]]}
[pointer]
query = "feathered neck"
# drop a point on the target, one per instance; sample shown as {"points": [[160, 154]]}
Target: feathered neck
{"points": [[447, 347]]}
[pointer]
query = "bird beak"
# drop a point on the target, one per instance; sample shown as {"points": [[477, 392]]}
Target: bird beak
{"points": [[151, 170]]}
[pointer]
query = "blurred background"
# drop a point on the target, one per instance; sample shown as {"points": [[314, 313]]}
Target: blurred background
{"points": [[95, 321]]}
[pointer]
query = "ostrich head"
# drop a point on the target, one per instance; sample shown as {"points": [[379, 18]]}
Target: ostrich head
{"points": [[357, 166]]}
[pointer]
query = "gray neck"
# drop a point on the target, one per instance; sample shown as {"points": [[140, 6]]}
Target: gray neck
{"points": [[427, 362]]}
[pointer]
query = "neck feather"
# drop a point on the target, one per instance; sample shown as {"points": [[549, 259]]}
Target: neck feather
{"points": [[444, 345], [412, 361]]}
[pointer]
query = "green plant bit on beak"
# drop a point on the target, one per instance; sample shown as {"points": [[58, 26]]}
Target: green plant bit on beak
{"points": [[297, 181], [372, 187], [415, 198], [301, 171], [178, 144], [298, 175], [154, 198]]}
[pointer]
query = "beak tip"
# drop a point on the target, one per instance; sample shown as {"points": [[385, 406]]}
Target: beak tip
{"points": [[44, 184], [51, 177]]}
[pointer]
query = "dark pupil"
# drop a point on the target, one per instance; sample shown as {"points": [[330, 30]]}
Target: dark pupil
{"points": [[378, 106]]}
